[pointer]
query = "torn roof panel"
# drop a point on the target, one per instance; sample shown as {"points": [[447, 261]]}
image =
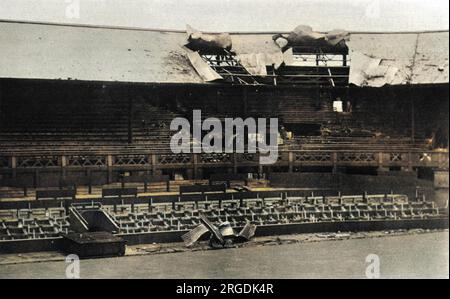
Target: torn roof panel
{"points": [[198, 41], [255, 52], [304, 35], [202, 68], [392, 51], [431, 60], [404, 58], [52, 51]]}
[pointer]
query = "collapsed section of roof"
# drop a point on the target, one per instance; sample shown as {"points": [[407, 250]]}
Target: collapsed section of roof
{"points": [[396, 59], [304, 35], [255, 53], [375, 72], [210, 43], [202, 68], [63, 52], [244, 55], [205, 43]]}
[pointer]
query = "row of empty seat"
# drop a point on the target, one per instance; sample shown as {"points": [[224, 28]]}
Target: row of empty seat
{"points": [[102, 122], [33, 223], [159, 217], [145, 218]]}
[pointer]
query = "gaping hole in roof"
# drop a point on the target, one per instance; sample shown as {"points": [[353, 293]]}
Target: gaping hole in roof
{"points": [[307, 58]]}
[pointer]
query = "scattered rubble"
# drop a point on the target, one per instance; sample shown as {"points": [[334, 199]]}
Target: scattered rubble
{"points": [[222, 236]]}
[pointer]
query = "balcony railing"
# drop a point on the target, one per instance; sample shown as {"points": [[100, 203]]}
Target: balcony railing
{"points": [[290, 158]]}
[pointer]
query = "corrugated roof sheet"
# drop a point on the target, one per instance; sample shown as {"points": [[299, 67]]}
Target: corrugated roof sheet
{"points": [[49, 51]]}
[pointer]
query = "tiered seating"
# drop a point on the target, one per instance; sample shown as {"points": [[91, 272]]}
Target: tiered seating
{"points": [[67, 126], [96, 191], [103, 125], [301, 109], [161, 217], [67, 122], [151, 125], [33, 223], [154, 216]]}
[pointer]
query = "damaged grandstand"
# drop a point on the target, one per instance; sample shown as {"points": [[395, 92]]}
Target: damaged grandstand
{"points": [[301, 57], [85, 115]]}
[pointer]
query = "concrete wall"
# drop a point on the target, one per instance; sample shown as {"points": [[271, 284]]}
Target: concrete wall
{"points": [[36, 245]]}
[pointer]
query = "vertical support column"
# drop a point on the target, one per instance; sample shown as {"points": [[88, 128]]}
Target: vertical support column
{"points": [[62, 174], [381, 169], [130, 120], [148, 168], [89, 175], [235, 163], [153, 163], [13, 163], [380, 160], [291, 161], [109, 164], [63, 167], [334, 159], [1, 92], [413, 119], [409, 167], [36, 178], [195, 165], [442, 160], [245, 92]]}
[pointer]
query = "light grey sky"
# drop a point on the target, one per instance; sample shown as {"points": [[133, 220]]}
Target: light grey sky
{"points": [[238, 15]]}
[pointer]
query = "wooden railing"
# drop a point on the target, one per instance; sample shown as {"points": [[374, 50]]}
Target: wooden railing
{"points": [[288, 158]]}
